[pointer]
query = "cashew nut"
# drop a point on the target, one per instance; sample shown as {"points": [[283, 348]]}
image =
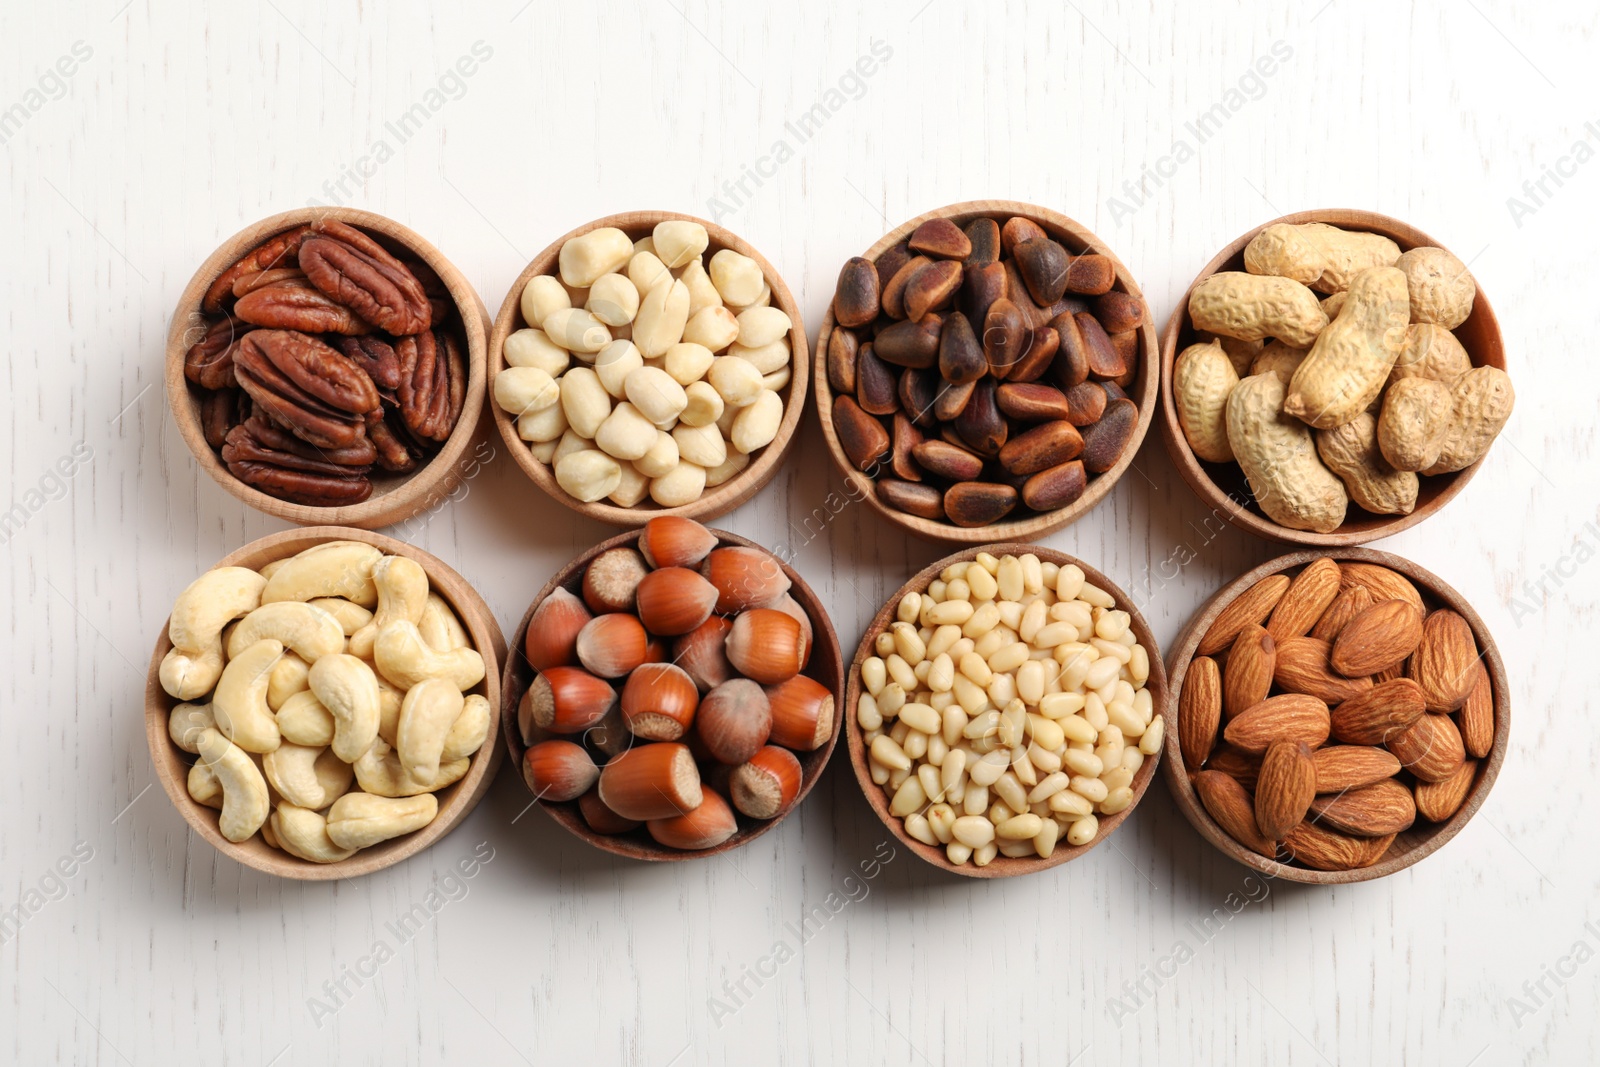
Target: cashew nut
{"points": [[440, 627], [304, 721], [349, 690], [405, 659], [426, 716], [191, 675], [304, 833], [335, 568], [311, 777], [269, 837], [185, 722], [244, 792], [358, 820], [379, 772], [289, 677], [389, 699], [470, 730], [240, 702], [311, 632], [352, 617], [209, 602], [204, 787], [402, 594]]}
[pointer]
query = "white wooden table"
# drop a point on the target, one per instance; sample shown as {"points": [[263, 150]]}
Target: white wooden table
{"points": [[180, 123]]}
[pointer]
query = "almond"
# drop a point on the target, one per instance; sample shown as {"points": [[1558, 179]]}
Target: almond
{"points": [[1438, 801], [1285, 789], [1230, 806], [1199, 711], [1292, 717], [1380, 582], [1346, 606], [1384, 634], [1476, 720], [1380, 713], [1442, 663], [1431, 748], [1307, 600], [1341, 767], [1328, 850], [1303, 667], [1385, 807], [1249, 608], [1247, 674], [1243, 767]]}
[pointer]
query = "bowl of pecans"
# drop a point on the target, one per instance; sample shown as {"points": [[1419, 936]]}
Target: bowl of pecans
{"points": [[326, 366]]}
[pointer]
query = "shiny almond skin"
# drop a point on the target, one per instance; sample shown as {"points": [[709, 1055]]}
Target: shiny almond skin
{"points": [[942, 239], [1044, 446], [1379, 581], [1303, 667], [931, 288], [1323, 849], [863, 437], [919, 394], [1431, 748], [961, 357], [1442, 664], [1243, 767], [1476, 719], [1438, 801], [910, 344], [984, 238], [1306, 601], [1104, 360], [1086, 402], [1034, 402], [1285, 788], [1374, 716], [978, 503], [1384, 634], [855, 298], [1118, 312], [1249, 608], [1055, 487], [1106, 440], [1346, 605], [1247, 673], [1341, 767], [842, 348], [1199, 711], [1233, 810], [876, 384], [1291, 717], [947, 461], [1385, 807], [924, 501]]}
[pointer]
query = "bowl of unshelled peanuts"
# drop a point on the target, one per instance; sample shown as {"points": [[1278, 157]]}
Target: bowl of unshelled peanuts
{"points": [[1006, 711], [321, 703], [1339, 715], [326, 365], [1332, 377], [672, 692], [985, 372], [648, 363]]}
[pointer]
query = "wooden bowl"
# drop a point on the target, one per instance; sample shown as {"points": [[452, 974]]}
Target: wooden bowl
{"points": [[1143, 392], [825, 666], [718, 500], [1222, 485], [1424, 838], [1000, 866], [395, 497], [455, 800]]}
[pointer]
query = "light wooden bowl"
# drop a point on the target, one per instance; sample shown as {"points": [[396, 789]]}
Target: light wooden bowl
{"points": [[825, 666], [455, 801], [1222, 486], [1424, 838], [1143, 391], [1000, 866], [715, 501], [395, 497]]}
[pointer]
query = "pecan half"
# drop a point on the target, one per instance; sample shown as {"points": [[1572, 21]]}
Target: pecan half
{"points": [[315, 367], [290, 406], [357, 272], [302, 487], [456, 375], [295, 304], [439, 297], [220, 411], [209, 361], [274, 252], [248, 283], [433, 383], [396, 453], [374, 356], [268, 435]]}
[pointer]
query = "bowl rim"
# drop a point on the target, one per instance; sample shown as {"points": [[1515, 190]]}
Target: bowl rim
{"points": [[459, 798], [629, 845], [1431, 585], [1145, 393], [1242, 516], [422, 489], [875, 795], [715, 501]]}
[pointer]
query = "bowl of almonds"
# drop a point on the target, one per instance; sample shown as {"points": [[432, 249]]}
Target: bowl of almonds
{"points": [[1005, 711], [1332, 377], [1337, 715], [648, 363], [985, 372], [326, 366]]}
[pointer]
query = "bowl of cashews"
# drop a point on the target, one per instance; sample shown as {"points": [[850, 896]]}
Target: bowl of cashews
{"points": [[321, 703]]}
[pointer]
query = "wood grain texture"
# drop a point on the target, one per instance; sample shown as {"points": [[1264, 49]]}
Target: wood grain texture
{"points": [[190, 122]]}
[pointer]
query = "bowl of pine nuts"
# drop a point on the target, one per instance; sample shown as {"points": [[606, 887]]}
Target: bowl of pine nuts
{"points": [[1005, 710]]}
